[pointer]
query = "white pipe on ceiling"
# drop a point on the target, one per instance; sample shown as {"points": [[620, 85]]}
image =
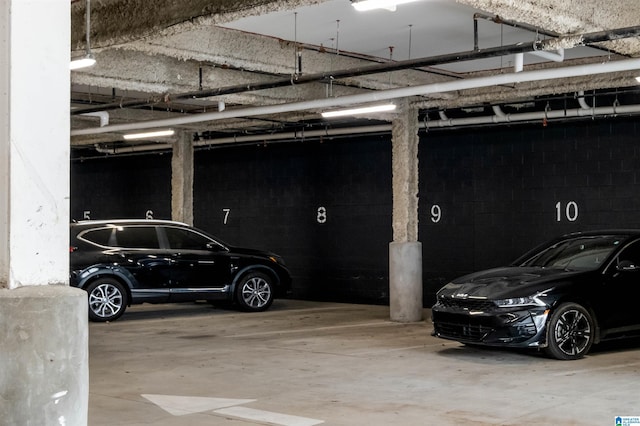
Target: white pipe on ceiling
{"points": [[471, 83], [583, 103], [499, 117], [102, 115]]}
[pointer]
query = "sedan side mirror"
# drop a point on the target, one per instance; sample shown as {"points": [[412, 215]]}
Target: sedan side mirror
{"points": [[214, 247], [627, 266]]}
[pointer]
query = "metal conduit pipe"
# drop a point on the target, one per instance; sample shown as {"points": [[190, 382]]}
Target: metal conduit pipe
{"points": [[498, 20], [254, 138], [530, 116], [538, 45], [499, 116], [383, 95]]}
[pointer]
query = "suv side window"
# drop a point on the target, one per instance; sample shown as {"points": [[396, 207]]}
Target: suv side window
{"points": [[102, 237], [185, 239], [137, 237]]}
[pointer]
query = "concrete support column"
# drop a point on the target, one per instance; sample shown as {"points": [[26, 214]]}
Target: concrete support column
{"points": [[44, 377], [405, 252], [182, 179]]}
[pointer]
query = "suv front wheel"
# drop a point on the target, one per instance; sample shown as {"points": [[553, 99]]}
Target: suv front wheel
{"points": [[254, 292], [107, 300]]}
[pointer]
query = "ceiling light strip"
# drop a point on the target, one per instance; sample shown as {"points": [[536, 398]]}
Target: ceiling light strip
{"points": [[366, 5], [358, 111], [383, 95], [156, 134]]}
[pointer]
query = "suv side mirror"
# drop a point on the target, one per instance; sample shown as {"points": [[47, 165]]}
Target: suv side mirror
{"points": [[627, 266]]}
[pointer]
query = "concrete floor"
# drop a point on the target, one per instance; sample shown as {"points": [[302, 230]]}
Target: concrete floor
{"points": [[306, 363]]}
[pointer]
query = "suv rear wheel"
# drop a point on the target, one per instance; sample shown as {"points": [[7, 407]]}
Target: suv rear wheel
{"points": [[107, 299], [254, 292]]}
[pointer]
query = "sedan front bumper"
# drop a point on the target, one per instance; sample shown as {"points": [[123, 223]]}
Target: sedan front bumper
{"points": [[516, 327]]}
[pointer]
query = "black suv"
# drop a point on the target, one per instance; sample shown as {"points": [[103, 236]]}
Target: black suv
{"points": [[125, 262]]}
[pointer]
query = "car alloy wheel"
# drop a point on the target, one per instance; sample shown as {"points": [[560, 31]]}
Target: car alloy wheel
{"points": [[107, 300], [569, 332], [255, 292]]}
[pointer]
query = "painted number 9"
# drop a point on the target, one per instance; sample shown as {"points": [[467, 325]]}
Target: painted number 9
{"points": [[570, 211], [436, 213]]}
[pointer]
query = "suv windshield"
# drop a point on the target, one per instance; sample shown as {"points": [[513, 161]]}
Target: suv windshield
{"points": [[580, 253]]}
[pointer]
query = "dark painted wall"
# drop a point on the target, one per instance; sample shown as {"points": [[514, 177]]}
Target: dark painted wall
{"points": [[325, 207], [121, 187], [486, 195]]}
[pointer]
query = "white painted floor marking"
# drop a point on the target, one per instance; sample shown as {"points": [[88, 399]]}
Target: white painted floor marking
{"points": [[267, 417], [181, 405], [307, 330], [589, 370]]}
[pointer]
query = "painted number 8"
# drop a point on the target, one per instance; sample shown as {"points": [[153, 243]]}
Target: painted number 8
{"points": [[322, 215]]}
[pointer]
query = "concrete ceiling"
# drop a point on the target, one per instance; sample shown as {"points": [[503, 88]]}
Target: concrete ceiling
{"points": [[169, 59]]}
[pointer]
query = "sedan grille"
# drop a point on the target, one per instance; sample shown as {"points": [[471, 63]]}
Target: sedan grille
{"points": [[466, 332], [474, 305]]}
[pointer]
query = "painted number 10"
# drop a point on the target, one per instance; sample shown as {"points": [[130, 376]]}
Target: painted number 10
{"points": [[570, 211]]}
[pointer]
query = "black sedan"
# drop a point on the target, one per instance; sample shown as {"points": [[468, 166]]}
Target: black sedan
{"points": [[562, 297], [124, 262]]}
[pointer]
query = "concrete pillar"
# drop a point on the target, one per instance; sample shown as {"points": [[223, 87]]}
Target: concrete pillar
{"points": [[182, 179], [405, 252], [44, 377]]}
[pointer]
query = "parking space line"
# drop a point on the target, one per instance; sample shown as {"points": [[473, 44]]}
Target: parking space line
{"points": [[267, 417], [590, 370], [306, 330]]}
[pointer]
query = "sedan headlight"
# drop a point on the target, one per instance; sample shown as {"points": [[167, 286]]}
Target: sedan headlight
{"points": [[520, 301]]}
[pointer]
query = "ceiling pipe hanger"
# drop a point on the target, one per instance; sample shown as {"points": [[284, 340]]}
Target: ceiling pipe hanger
{"points": [[88, 60]]}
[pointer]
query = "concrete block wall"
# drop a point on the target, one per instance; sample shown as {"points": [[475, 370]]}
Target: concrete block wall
{"points": [[486, 196]]}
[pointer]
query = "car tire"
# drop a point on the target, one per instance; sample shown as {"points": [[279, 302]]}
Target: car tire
{"points": [[254, 292], [107, 300], [570, 332]]}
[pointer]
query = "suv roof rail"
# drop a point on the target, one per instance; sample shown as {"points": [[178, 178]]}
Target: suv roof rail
{"points": [[136, 221]]}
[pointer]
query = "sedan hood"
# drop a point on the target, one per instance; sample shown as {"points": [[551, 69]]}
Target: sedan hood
{"points": [[507, 282]]}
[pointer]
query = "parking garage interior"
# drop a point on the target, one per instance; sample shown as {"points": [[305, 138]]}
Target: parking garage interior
{"points": [[515, 122]]}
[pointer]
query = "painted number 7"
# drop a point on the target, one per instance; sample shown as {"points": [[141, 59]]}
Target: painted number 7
{"points": [[226, 215]]}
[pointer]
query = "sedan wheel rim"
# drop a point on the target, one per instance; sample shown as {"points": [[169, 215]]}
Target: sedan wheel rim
{"points": [[256, 292], [105, 300], [572, 332]]}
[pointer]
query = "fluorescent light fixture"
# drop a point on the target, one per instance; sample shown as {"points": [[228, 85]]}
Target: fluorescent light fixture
{"points": [[356, 111], [364, 5], [156, 134], [83, 62]]}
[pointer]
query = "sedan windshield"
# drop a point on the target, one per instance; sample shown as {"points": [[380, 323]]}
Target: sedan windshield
{"points": [[580, 253]]}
